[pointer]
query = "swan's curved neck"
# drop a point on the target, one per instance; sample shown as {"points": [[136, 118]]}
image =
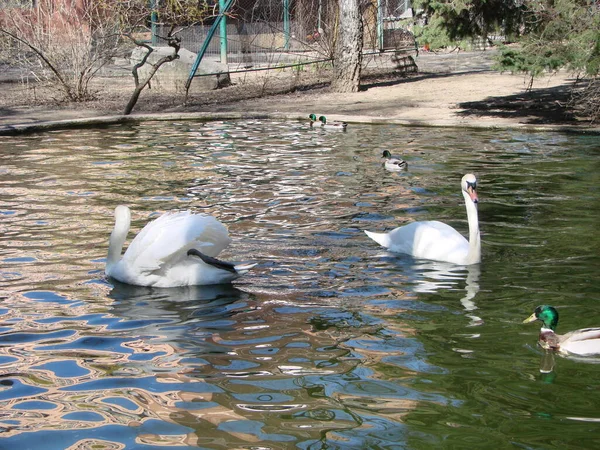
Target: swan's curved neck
{"points": [[117, 237], [474, 255]]}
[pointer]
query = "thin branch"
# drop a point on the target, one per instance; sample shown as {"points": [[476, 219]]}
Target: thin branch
{"points": [[39, 53], [175, 43]]}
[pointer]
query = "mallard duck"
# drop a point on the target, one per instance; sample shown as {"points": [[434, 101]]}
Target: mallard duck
{"points": [[177, 249], [436, 240], [582, 342], [332, 125], [393, 163], [314, 122]]}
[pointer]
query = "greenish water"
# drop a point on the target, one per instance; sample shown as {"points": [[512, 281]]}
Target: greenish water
{"points": [[330, 342]]}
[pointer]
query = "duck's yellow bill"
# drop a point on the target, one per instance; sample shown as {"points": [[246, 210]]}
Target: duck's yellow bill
{"points": [[531, 318]]}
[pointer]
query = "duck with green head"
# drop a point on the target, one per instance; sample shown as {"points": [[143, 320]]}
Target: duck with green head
{"points": [[393, 163], [584, 342], [332, 125]]}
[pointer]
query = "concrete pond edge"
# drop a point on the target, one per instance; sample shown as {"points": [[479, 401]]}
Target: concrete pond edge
{"points": [[34, 127]]}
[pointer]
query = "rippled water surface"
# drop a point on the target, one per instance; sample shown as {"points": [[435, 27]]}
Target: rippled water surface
{"points": [[330, 342]]}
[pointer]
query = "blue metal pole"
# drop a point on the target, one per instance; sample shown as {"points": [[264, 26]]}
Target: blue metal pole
{"points": [[210, 35]]}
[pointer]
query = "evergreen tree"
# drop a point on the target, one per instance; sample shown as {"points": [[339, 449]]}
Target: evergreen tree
{"points": [[454, 20], [551, 34], [557, 34]]}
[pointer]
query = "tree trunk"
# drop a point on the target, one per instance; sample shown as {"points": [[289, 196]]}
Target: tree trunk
{"points": [[348, 48], [175, 43]]}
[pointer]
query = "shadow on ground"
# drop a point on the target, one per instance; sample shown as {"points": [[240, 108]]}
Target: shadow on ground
{"points": [[7, 112], [395, 78], [538, 106]]}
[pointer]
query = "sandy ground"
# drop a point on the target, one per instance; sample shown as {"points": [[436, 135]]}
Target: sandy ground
{"points": [[450, 89]]}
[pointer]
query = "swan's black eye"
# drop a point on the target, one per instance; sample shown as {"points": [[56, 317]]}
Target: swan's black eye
{"points": [[472, 185]]}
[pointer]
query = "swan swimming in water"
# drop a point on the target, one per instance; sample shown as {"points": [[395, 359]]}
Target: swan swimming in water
{"points": [[177, 249], [436, 240]]}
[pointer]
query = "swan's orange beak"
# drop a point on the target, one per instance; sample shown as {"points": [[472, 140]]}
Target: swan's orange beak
{"points": [[473, 194]]}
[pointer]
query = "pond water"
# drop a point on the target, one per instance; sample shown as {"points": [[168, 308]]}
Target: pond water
{"points": [[330, 342]]}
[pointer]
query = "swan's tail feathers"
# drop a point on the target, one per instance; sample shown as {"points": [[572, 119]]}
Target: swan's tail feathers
{"points": [[239, 269], [382, 239]]}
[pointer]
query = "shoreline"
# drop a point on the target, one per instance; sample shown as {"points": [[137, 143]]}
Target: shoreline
{"points": [[450, 90], [104, 120]]}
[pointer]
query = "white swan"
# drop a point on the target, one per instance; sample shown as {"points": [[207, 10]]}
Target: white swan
{"points": [[435, 240], [177, 249]]}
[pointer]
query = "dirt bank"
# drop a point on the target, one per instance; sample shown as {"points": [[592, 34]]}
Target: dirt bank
{"points": [[450, 89]]}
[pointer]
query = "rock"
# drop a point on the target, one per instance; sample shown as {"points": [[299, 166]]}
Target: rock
{"points": [[172, 76]]}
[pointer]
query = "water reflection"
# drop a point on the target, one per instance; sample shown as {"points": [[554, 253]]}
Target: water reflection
{"points": [[429, 277], [261, 361], [547, 362], [329, 344], [472, 288], [178, 304]]}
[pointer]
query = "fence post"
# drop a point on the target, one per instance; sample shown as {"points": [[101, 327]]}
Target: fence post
{"points": [[223, 32], [211, 33], [153, 20], [319, 13], [380, 24], [286, 24]]}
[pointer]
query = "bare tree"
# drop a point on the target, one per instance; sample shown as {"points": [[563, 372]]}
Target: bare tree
{"points": [[66, 42], [60, 42], [175, 16], [172, 41], [348, 48]]}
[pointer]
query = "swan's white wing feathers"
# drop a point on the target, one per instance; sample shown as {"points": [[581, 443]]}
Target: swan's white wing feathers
{"points": [[169, 237], [428, 240], [436, 240]]}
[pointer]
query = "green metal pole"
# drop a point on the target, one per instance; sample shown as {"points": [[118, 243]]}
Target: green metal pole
{"points": [[223, 32], [153, 20], [380, 24], [202, 51], [319, 18], [286, 24]]}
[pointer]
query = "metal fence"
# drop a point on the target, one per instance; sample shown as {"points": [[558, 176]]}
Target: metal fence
{"points": [[257, 35], [275, 33]]}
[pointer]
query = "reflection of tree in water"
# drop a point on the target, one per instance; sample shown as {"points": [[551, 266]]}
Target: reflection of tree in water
{"points": [[223, 368], [265, 368]]}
